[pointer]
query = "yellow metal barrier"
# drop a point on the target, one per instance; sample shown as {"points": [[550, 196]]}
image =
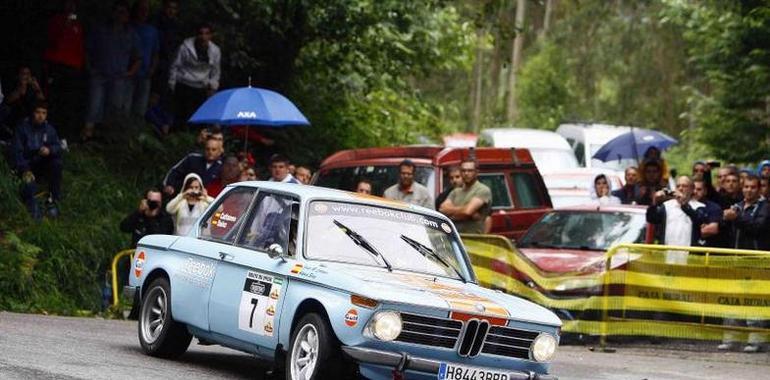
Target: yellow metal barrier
{"points": [[115, 260], [633, 290]]}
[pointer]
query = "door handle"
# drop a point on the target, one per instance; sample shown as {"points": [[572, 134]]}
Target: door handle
{"points": [[225, 256]]}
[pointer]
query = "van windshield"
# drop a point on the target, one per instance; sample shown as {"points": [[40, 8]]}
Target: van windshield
{"points": [[381, 177]]}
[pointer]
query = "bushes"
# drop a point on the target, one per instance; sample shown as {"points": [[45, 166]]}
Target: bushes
{"points": [[58, 266]]}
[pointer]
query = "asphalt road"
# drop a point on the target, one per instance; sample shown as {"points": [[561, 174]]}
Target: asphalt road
{"points": [[45, 347]]}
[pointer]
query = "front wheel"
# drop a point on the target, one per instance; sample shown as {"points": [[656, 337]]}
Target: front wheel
{"points": [[313, 344], [159, 334]]}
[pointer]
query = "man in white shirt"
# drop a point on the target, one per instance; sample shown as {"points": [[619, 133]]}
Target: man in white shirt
{"points": [[279, 169], [677, 218]]}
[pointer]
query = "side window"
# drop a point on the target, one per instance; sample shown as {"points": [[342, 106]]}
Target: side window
{"points": [[580, 153], [501, 195], [273, 221], [526, 190], [223, 221]]}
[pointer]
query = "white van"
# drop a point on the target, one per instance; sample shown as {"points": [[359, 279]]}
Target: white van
{"points": [[549, 150], [586, 139]]}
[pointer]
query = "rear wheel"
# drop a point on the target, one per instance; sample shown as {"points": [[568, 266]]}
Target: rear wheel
{"points": [[159, 334]]}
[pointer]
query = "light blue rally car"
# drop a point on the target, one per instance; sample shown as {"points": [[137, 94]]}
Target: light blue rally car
{"points": [[334, 285]]}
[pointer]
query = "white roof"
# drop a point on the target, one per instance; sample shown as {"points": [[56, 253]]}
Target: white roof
{"points": [[524, 138]]}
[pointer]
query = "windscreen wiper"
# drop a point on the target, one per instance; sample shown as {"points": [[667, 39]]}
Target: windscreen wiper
{"points": [[363, 243], [427, 252]]}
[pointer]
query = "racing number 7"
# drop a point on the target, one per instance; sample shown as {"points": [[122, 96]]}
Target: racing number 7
{"points": [[254, 302]]}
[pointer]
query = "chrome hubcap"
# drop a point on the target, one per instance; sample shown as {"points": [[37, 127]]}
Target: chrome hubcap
{"points": [[154, 314], [304, 353]]}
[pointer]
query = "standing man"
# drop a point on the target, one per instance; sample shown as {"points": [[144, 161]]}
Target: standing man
{"points": [[407, 190], [710, 234], [208, 166], [150, 218], [194, 73], [748, 218], [677, 218], [469, 205], [303, 174], [279, 169], [149, 45], [455, 181], [627, 193], [37, 153], [730, 193]]}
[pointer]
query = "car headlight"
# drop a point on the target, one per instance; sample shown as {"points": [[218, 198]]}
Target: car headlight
{"points": [[544, 347], [386, 325]]}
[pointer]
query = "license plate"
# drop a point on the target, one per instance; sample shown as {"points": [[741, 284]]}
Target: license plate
{"points": [[448, 371]]}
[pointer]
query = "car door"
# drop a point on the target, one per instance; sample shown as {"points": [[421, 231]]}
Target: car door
{"points": [[249, 287], [200, 256]]}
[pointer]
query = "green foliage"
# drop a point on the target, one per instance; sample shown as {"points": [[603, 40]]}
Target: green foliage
{"points": [[545, 88], [729, 45]]}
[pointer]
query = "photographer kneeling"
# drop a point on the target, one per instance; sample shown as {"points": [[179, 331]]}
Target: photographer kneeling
{"points": [[189, 204], [677, 218], [148, 219]]}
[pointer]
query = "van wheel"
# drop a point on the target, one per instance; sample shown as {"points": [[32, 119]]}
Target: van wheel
{"points": [[159, 334]]}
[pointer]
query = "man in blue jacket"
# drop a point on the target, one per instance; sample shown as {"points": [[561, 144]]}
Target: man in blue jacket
{"points": [[38, 154]]}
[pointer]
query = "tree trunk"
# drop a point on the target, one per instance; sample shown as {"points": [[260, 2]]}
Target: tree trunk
{"points": [[478, 83], [518, 43], [549, 5]]}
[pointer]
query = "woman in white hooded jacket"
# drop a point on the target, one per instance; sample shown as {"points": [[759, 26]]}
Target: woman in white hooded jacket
{"points": [[189, 204]]}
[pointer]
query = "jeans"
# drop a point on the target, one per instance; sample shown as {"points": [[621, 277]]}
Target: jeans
{"points": [[186, 101], [114, 94], [141, 96], [66, 92], [50, 169]]}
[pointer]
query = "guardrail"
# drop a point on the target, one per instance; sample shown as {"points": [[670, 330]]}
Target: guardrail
{"points": [[638, 290], [115, 260]]}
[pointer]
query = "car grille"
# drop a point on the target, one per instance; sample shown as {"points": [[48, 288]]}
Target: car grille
{"points": [[506, 341], [478, 336], [429, 331]]}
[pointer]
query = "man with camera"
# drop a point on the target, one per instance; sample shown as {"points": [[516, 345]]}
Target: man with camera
{"points": [[748, 218], [677, 218], [148, 219]]}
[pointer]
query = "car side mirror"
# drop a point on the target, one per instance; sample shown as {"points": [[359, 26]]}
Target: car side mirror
{"points": [[275, 250]]}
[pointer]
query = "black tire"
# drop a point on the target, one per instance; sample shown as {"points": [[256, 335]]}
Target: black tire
{"points": [[327, 357], [168, 338]]}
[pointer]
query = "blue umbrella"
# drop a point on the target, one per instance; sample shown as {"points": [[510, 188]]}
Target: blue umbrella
{"points": [[249, 106], [633, 144]]}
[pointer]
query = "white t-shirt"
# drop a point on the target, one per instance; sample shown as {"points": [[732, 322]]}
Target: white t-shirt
{"points": [[678, 229]]}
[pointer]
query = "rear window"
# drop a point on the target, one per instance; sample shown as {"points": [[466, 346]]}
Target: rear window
{"points": [[526, 187], [501, 195], [381, 177]]}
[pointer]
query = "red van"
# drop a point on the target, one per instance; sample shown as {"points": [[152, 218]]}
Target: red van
{"points": [[519, 196]]}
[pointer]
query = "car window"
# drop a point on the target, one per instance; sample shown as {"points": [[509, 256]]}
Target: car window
{"points": [[223, 220], [527, 195], [580, 153], [501, 195], [272, 221], [381, 177]]}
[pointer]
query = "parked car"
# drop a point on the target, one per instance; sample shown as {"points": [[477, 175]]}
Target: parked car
{"points": [[550, 150], [519, 196], [587, 138], [576, 186], [334, 285]]}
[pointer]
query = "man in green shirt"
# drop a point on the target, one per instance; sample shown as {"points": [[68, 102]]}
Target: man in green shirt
{"points": [[470, 204]]}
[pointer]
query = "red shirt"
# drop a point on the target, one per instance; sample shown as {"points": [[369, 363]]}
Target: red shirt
{"points": [[65, 42], [214, 188]]}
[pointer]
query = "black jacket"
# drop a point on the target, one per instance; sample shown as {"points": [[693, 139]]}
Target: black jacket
{"points": [[749, 229], [192, 163], [140, 225]]}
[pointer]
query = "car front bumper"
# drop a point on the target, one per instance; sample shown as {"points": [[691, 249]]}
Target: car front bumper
{"points": [[404, 361]]}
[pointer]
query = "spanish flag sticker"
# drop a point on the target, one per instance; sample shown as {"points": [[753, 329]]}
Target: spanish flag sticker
{"points": [[296, 269]]}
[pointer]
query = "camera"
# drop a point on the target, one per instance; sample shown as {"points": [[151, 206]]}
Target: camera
{"points": [[714, 164], [668, 192], [195, 194]]}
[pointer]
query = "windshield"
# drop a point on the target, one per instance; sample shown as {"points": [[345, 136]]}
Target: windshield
{"points": [[591, 230], [548, 160], [381, 177], [383, 237]]}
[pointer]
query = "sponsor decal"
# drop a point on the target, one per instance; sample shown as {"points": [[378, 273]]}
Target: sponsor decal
{"points": [[246, 115], [198, 272], [320, 208], [139, 264], [446, 228], [351, 318], [494, 321], [296, 269], [259, 302]]}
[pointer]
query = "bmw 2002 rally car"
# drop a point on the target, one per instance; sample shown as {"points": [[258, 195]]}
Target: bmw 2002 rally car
{"points": [[332, 285]]}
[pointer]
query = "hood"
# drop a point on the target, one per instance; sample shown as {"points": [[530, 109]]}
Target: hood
{"points": [[434, 292], [762, 165], [191, 176], [565, 260]]}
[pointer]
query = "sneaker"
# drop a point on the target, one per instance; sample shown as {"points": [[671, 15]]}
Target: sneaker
{"points": [[751, 348], [725, 346]]}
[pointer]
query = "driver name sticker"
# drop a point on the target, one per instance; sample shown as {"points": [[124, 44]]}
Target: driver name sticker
{"points": [[259, 303], [223, 219]]}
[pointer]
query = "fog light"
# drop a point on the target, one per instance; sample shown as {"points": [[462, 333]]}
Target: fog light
{"points": [[386, 325], [544, 347]]}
